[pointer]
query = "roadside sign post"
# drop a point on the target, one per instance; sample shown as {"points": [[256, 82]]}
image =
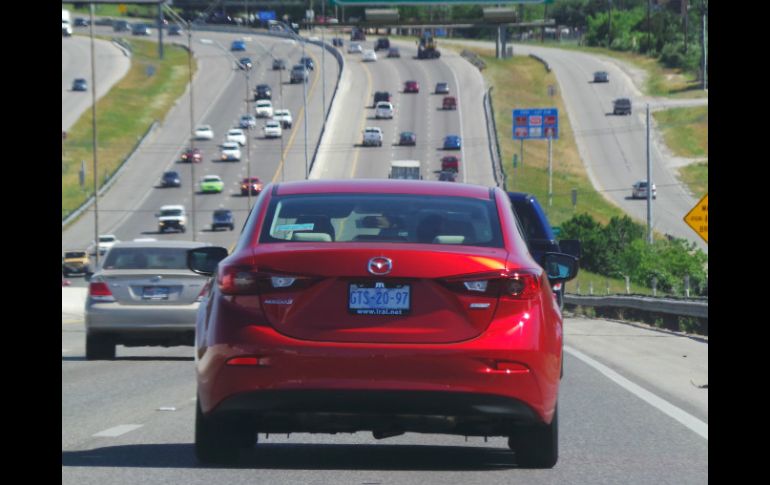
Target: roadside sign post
{"points": [[538, 124]]}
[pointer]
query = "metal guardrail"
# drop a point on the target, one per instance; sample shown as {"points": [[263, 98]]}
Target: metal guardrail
{"points": [[545, 63], [494, 148], [684, 308]]}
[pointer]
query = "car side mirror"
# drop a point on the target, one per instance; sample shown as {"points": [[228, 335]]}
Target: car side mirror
{"points": [[204, 260], [570, 246], [560, 267]]}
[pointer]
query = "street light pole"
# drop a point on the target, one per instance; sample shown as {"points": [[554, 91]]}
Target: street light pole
{"points": [[93, 139], [304, 102], [248, 139]]}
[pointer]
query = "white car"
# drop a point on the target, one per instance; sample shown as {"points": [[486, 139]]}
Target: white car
{"points": [[369, 56], [284, 117], [272, 129], [204, 132], [355, 48], [639, 190], [264, 108], [106, 241], [383, 110], [230, 151], [236, 135], [372, 136]]}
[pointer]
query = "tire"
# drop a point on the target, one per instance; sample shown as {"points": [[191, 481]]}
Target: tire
{"points": [[232, 226], [218, 441], [537, 446], [99, 347]]}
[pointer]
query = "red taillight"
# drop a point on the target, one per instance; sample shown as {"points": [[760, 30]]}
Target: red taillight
{"points": [[205, 291], [245, 280], [99, 291], [516, 284], [249, 361]]}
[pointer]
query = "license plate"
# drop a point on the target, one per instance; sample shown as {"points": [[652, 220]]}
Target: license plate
{"points": [[379, 298], [155, 293]]}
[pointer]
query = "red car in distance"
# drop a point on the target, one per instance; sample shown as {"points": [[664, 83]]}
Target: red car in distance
{"points": [[192, 155], [254, 183], [411, 87], [449, 102], [450, 162], [387, 306]]}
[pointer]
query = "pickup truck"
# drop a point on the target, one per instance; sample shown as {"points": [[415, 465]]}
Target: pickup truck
{"points": [[372, 136], [539, 235], [172, 217]]}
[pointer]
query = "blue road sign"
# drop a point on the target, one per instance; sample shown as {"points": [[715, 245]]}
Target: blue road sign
{"points": [[535, 124], [266, 15]]}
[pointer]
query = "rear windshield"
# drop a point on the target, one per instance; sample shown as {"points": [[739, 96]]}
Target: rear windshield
{"points": [[146, 258], [75, 254], [382, 218]]}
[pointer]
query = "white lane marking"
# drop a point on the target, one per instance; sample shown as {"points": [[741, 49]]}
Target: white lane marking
{"points": [[117, 430], [666, 407], [167, 408]]}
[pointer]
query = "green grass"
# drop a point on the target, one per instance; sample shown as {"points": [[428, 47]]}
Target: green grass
{"points": [[686, 130], [122, 117], [112, 10], [696, 176], [585, 280]]}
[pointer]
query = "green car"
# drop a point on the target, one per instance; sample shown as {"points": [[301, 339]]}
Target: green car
{"points": [[212, 184]]}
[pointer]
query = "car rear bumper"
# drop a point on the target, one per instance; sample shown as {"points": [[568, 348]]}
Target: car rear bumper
{"points": [[114, 316]]}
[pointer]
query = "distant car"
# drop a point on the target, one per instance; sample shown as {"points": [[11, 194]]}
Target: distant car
{"points": [[238, 45], [381, 96], [447, 176], [411, 87], [81, 22], [355, 48], [382, 43], [121, 26], [141, 29], [245, 63], [204, 132], [369, 56], [128, 303], [639, 190], [174, 30], [193, 155], [172, 217], [307, 62], [452, 142], [372, 136], [247, 121], [284, 117], [383, 110], [272, 129], [104, 243], [450, 163], [255, 184], [222, 218], [442, 88], [263, 108], [230, 151], [394, 52], [279, 64], [621, 106], [236, 135], [212, 184], [449, 102], [407, 138], [80, 84], [338, 42], [299, 74], [170, 178], [263, 91], [75, 262], [601, 77]]}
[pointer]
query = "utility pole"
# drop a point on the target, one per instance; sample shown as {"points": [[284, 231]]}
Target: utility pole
{"points": [[93, 139], [649, 181], [704, 11], [609, 25]]}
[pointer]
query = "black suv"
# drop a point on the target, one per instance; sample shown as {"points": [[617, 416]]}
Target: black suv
{"points": [[279, 64], [307, 62], [381, 96], [382, 43], [539, 235], [222, 218], [621, 106], [262, 91]]}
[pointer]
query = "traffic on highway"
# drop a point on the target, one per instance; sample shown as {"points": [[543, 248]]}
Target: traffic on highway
{"points": [[311, 268]]}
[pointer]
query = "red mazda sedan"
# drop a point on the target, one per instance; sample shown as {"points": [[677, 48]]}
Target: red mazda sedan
{"points": [[387, 306]]}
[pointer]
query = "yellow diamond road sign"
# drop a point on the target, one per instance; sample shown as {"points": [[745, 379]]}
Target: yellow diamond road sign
{"points": [[698, 218]]}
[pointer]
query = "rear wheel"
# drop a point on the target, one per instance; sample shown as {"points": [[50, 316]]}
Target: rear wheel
{"points": [[99, 347], [537, 446], [218, 441]]}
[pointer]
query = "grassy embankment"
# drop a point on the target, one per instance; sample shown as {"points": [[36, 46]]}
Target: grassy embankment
{"points": [[122, 116], [686, 132]]}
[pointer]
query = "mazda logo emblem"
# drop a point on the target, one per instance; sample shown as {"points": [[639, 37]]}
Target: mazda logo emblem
{"points": [[380, 266]]}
